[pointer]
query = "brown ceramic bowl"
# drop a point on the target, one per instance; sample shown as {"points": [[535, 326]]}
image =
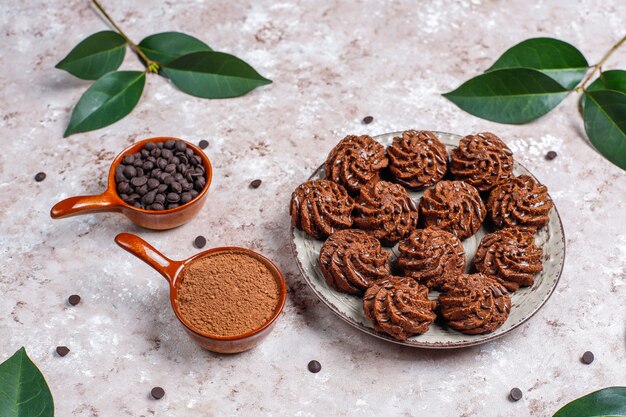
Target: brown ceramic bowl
{"points": [[172, 271], [110, 201]]}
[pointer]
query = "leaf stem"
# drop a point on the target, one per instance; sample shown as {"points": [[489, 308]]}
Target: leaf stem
{"points": [[152, 65], [598, 66]]}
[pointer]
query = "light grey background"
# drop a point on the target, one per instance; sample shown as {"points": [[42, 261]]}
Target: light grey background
{"points": [[332, 64]]}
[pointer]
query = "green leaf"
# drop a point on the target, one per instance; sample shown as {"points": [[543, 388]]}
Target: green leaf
{"points": [[97, 55], [23, 389], [167, 46], [514, 96], [557, 59], [608, 80], [603, 403], [605, 123], [108, 100], [213, 75]]}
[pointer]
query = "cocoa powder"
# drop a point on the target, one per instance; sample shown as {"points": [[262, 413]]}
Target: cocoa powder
{"points": [[227, 294]]}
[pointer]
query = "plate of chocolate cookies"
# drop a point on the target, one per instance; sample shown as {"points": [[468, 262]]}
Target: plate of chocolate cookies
{"points": [[427, 239]]}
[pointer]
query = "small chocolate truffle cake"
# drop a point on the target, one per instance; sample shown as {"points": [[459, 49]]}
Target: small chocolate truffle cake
{"points": [[482, 161], [417, 159], [351, 260], [430, 256], [399, 307], [520, 201], [454, 206], [474, 304], [510, 256], [355, 162], [385, 211], [320, 207]]}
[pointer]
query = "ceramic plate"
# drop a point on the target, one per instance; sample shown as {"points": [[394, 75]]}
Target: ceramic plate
{"points": [[525, 302]]}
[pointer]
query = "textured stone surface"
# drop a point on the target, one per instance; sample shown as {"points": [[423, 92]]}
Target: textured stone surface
{"points": [[332, 64]]}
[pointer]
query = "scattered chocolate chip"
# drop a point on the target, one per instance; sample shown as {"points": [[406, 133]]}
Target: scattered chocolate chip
{"points": [[200, 242], [74, 299], [157, 393], [62, 350], [203, 144], [550, 155], [256, 183], [587, 357], [314, 367], [516, 394], [40, 176], [367, 120]]}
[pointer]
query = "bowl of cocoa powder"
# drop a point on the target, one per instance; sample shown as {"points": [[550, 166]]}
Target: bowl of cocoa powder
{"points": [[227, 298]]}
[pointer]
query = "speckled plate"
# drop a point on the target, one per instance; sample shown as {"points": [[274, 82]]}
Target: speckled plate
{"points": [[525, 302]]}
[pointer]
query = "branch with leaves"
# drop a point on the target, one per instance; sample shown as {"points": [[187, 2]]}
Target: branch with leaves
{"points": [[534, 76], [190, 64]]}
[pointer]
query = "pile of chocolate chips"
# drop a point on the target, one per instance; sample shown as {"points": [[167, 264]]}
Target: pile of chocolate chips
{"points": [[163, 175]]}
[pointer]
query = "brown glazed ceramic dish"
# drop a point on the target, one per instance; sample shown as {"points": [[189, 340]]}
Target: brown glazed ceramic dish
{"points": [[110, 201], [172, 271]]}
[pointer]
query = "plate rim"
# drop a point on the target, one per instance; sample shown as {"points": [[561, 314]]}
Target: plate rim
{"points": [[417, 343]]}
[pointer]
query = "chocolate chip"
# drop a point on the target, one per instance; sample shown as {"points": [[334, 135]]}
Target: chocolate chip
{"points": [[203, 144], [62, 350], [128, 160], [150, 146], [550, 155], [148, 199], [199, 242], [153, 183], [176, 187], [172, 197], [169, 144], [255, 184], [367, 120], [587, 357], [130, 172], [180, 146], [157, 393], [314, 367], [139, 181], [40, 176], [167, 154], [185, 198], [74, 299], [516, 394]]}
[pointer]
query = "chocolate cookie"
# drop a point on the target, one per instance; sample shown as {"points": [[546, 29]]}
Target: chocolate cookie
{"points": [[385, 211], [510, 256], [351, 260], [474, 304], [481, 160], [454, 206], [520, 201], [355, 161], [399, 307], [417, 159], [320, 207], [430, 256]]}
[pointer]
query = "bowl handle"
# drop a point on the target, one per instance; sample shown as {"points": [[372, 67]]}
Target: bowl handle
{"points": [[144, 251], [84, 204]]}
